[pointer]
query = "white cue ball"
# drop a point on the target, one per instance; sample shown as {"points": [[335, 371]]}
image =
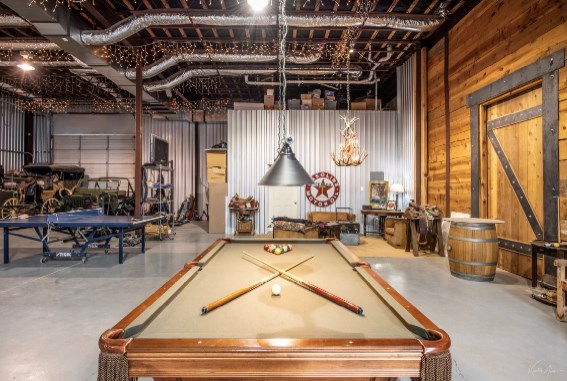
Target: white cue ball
{"points": [[276, 289]]}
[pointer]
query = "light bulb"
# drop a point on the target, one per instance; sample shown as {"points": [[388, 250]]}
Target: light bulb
{"points": [[26, 66], [258, 5]]}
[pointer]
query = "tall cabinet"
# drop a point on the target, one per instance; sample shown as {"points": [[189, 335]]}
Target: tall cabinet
{"points": [[158, 196], [217, 190]]}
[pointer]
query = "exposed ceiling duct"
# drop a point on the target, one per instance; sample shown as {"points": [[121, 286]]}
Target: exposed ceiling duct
{"points": [[28, 45], [13, 20], [372, 79], [167, 62], [134, 24], [45, 63], [185, 75]]}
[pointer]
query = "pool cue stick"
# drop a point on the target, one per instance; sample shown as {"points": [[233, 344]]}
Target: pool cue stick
{"points": [[242, 291], [311, 287]]}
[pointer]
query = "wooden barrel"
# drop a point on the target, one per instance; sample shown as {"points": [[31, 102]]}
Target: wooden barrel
{"points": [[473, 251]]}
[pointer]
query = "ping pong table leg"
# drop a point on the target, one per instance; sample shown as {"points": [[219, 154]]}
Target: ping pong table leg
{"points": [[143, 239], [120, 246], [6, 246]]}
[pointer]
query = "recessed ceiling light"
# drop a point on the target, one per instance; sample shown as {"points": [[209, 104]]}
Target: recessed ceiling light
{"points": [[26, 66], [258, 5]]}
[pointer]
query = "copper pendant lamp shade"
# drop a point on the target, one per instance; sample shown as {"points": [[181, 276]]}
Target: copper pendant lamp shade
{"points": [[286, 170]]}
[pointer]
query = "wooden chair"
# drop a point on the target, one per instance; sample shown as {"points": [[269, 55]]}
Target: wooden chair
{"points": [[395, 231], [561, 287]]}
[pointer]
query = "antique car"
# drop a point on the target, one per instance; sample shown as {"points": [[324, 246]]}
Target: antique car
{"points": [[39, 189], [114, 194]]}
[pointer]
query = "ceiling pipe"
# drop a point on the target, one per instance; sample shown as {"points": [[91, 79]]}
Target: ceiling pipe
{"points": [[137, 23], [44, 63], [179, 78], [13, 20], [371, 80], [167, 62], [28, 45]]}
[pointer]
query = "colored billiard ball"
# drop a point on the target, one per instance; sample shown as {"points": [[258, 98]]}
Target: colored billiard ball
{"points": [[276, 289]]}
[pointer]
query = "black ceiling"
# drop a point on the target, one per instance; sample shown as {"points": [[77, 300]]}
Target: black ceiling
{"points": [[377, 51]]}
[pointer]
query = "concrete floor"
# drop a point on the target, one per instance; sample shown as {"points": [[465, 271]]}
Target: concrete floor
{"points": [[51, 315]]}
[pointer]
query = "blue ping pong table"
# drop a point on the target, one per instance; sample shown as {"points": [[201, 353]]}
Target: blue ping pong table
{"points": [[86, 228]]}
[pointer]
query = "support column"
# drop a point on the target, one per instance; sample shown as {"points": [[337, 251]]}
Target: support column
{"points": [[28, 138], [138, 144]]}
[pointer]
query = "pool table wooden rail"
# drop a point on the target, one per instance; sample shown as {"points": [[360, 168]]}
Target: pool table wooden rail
{"points": [[348, 358]]}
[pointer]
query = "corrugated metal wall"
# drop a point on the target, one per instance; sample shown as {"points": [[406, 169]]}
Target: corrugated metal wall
{"points": [[209, 134], [42, 131], [11, 134], [252, 144], [406, 120], [181, 137]]}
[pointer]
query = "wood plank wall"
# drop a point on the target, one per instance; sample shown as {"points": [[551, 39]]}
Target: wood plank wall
{"points": [[494, 39]]}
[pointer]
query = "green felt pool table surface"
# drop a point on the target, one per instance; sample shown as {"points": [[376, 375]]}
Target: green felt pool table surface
{"points": [[259, 324]]}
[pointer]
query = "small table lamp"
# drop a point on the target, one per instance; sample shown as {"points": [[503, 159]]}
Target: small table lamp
{"points": [[397, 189]]}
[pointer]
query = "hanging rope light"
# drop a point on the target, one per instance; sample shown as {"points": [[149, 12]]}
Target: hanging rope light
{"points": [[286, 170], [349, 153]]}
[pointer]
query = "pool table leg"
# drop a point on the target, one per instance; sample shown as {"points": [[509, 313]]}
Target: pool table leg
{"points": [[6, 246]]}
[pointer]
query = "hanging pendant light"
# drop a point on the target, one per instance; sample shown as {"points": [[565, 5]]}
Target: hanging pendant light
{"points": [[286, 169]]}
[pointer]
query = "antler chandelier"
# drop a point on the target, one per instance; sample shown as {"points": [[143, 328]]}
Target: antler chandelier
{"points": [[349, 153]]}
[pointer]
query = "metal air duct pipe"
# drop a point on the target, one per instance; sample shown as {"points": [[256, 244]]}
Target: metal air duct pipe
{"points": [[134, 24], [167, 62], [183, 76]]}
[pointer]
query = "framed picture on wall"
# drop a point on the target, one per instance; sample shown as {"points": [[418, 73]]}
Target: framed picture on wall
{"points": [[378, 194], [391, 205]]}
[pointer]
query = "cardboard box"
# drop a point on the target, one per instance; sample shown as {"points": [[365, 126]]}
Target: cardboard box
{"points": [[307, 102], [248, 106], [306, 96], [358, 105], [330, 98], [330, 105], [294, 104], [318, 103], [269, 100], [269, 91], [217, 209], [373, 104]]}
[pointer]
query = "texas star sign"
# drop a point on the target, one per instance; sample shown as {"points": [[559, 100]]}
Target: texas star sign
{"points": [[325, 191]]}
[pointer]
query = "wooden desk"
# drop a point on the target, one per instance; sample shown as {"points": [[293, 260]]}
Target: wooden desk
{"points": [[381, 214]]}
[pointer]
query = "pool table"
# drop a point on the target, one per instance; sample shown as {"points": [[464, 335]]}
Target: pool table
{"points": [[298, 334]]}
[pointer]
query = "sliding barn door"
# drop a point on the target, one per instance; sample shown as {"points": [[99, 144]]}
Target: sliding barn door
{"points": [[515, 175]]}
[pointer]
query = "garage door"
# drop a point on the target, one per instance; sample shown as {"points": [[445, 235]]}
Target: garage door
{"points": [[100, 155]]}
